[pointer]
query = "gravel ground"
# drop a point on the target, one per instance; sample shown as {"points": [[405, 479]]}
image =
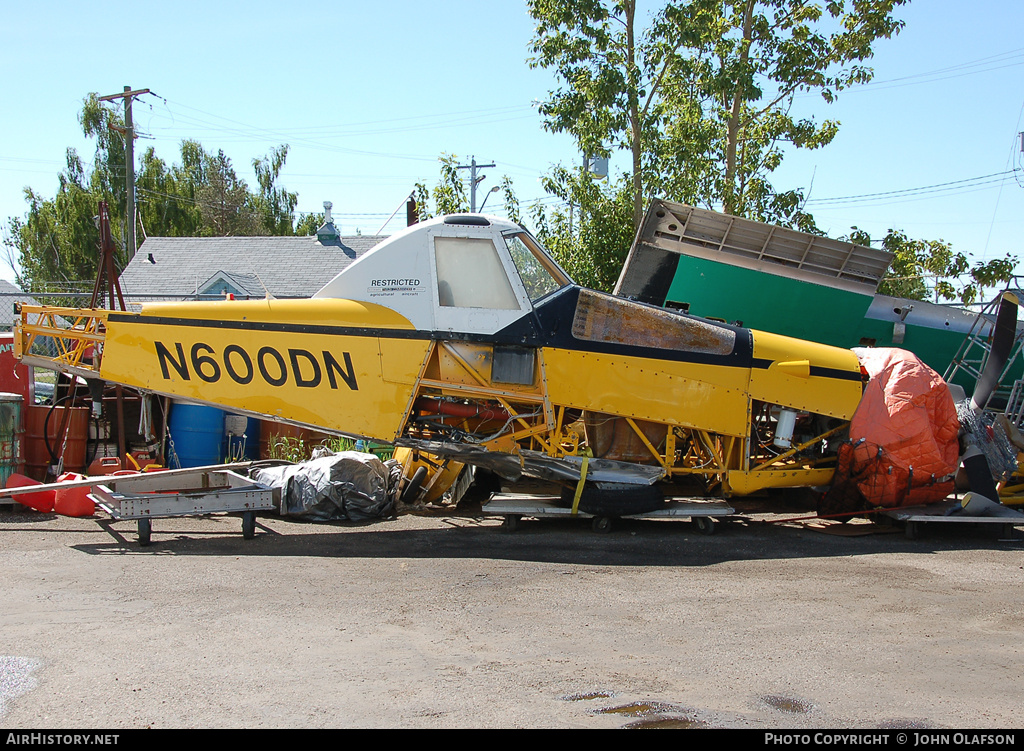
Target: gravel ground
{"points": [[449, 621]]}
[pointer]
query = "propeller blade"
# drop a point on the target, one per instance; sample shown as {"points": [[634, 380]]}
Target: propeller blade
{"points": [[1002, 343], [979, 475]]}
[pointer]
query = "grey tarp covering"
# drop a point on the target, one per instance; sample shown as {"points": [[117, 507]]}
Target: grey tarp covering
{"points": [[349, 485], [564, 469]]}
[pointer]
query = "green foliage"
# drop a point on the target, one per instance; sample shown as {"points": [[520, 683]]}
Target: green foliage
{"points": [[591, 242], [167, 195], [759, 55], [512, 208], [930, 268], [56, 243], [295, 449], [61, 231], [274, 205], [701, 96], [612, 73], [225, 205], [449, 194], [310, 223]]}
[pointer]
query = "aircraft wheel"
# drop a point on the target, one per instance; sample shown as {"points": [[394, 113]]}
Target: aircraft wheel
{"points": [[248, 524], [413, 488], [511, 522], [622, 500], [912, 530], [705, 524], [145, 532], [601, 524]]}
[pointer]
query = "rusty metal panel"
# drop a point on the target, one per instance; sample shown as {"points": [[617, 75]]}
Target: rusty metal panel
{"points": [[603, 318]]}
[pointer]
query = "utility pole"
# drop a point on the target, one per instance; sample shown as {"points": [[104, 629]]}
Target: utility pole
{"points": [[129, 162], [474, 180]]}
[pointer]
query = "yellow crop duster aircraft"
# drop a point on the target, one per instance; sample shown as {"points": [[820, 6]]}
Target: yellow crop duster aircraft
{"points": [[462, 337]]}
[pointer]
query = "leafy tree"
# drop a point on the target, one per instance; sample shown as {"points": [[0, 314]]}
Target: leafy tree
{"points": [[930, 268], [60, 231], [274, 205], [512, 208], [701, 96], [224, 201], [56, 242], [107, 179], [612, 71], [591, 238], [449, 194], [755, 56], [308, 224], [167, 196]]}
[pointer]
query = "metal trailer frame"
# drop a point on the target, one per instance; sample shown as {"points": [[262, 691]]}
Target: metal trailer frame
{"points": [[914, 518], [190, 492], [513, 507]]}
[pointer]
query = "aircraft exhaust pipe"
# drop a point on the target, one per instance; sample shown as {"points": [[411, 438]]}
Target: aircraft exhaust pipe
{"points": [[454, 409]]}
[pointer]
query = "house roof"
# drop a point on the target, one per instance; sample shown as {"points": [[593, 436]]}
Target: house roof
{"points": [[247, 284], [287, 266], [9, 294]]}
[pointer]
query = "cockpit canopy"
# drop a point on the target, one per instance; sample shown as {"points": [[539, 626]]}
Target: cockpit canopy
{"points": [[464, 272]]}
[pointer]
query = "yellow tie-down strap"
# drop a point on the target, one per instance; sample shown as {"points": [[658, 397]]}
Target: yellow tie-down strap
{"points": [[579, 485]]}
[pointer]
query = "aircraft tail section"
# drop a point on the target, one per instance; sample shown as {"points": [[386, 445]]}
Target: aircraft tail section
{"points": [[310, 362]]}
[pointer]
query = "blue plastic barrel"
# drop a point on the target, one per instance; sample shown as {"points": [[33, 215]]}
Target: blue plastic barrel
{"points": [[197, 432]]}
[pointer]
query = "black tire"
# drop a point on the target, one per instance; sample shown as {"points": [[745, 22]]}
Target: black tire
{"points": [[511, 522], [413, 488], [145, 532], [624, 500], [248, 524], [912, 530], [601, 524]]}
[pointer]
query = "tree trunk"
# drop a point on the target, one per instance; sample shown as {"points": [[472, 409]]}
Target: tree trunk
{"points": [[731, 199], [634, 115]]}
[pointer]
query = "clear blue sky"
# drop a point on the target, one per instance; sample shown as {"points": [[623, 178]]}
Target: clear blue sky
{"points": [[368, 95]]}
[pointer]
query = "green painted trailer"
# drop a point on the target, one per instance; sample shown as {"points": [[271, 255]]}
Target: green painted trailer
{"points": [[787, 282]]}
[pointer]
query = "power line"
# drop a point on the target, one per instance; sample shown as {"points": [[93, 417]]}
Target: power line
{"points": [[247, 131], [982, 65], [967, 183], [991, 59]]}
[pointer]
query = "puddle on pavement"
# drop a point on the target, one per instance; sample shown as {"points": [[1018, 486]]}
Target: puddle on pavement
{"points": [[588, 696], [787, 704], [636, 709], [654, 716], [664, 723]]}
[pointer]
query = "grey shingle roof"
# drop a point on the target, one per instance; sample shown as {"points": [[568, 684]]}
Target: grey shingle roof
{"points": [[288, 266]]}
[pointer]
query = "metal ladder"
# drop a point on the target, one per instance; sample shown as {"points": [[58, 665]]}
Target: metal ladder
{"points": [[974, 352]]}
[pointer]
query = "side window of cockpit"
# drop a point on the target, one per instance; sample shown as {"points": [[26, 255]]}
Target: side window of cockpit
{"points": [[537, 280], [470, 275]]}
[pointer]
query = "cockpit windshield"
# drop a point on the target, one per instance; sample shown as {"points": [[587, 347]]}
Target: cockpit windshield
{"points": [[540, 274]]}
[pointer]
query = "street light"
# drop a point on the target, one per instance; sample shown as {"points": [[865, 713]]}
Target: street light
{"points": [[483, 203]]}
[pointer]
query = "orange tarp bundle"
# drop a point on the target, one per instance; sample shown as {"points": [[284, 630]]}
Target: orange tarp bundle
{"points": [[906, 426]]}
